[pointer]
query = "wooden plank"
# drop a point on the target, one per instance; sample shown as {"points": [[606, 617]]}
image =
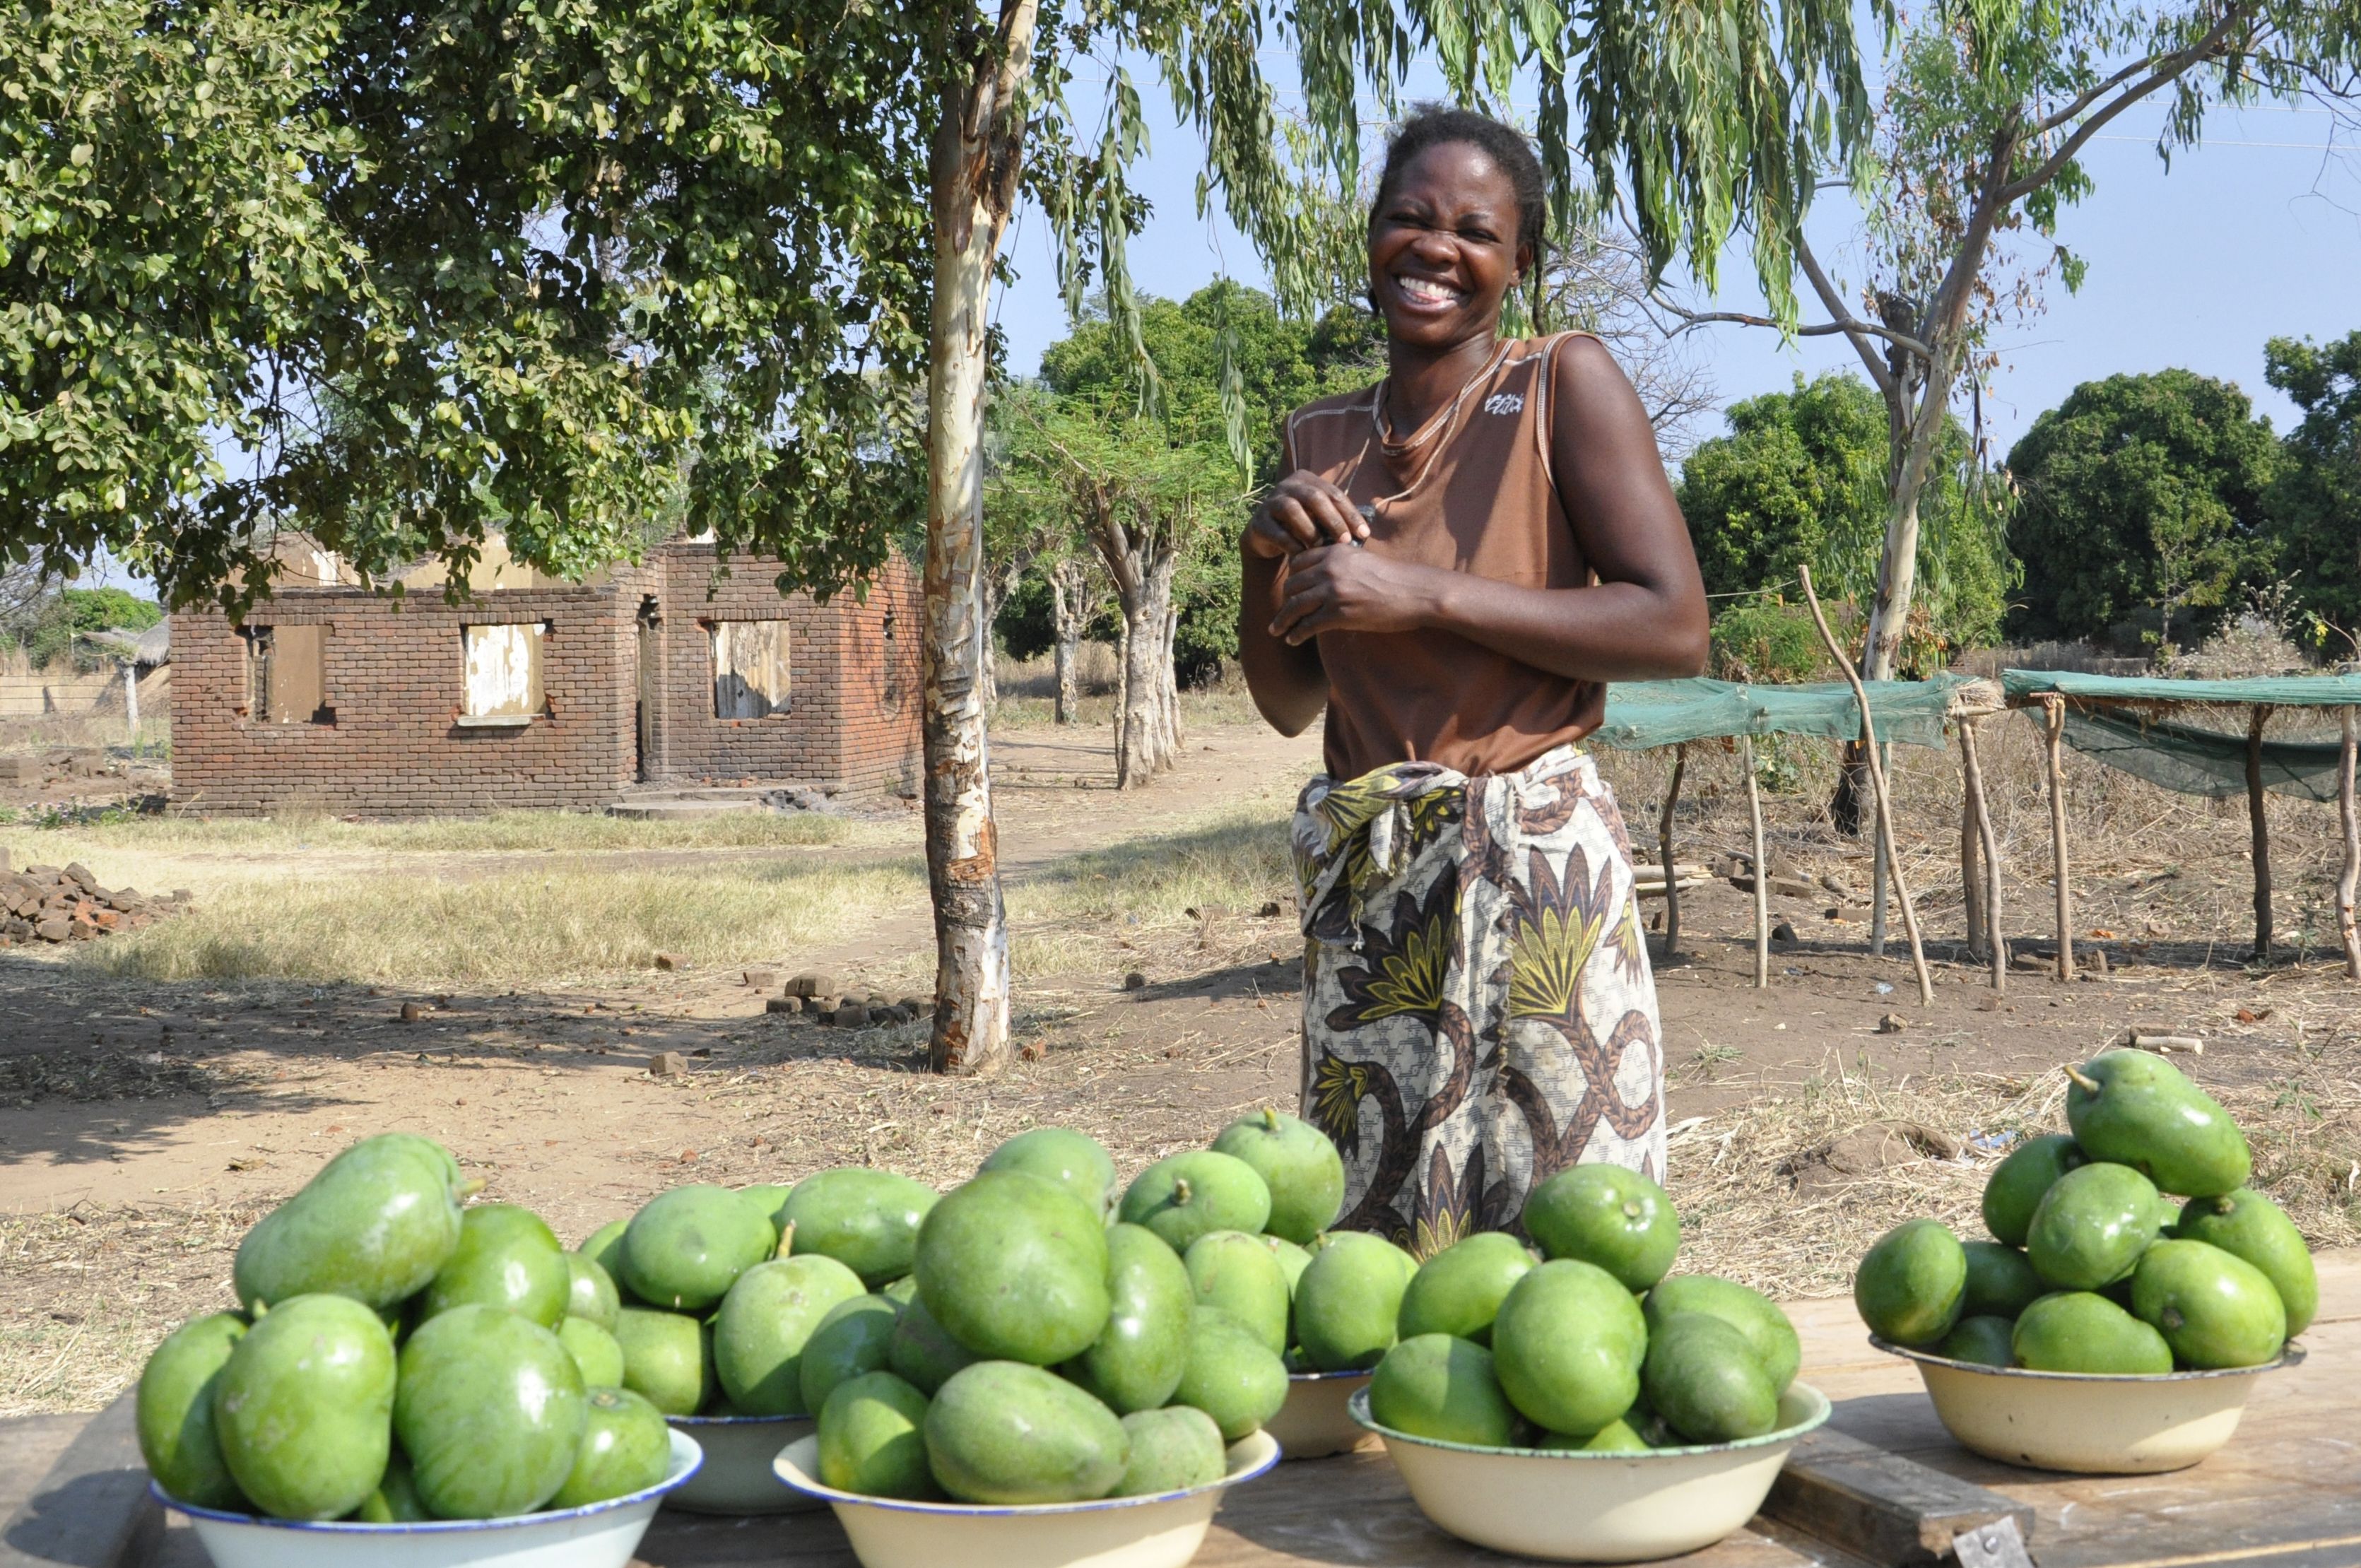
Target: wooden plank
{"points": [[1881, 1505], [91, 1510]]}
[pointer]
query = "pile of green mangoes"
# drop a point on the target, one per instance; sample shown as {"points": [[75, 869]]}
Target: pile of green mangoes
{"points": [[2091, 1268], [1052, 1343], [398, 1357], [1590, 1346]]}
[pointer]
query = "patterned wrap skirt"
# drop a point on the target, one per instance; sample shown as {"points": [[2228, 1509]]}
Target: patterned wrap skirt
{"points": [[1478, 1010]]}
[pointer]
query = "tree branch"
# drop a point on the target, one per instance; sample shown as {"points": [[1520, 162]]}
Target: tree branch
{"points": [[1881, 376], [1846, 325], [2170, 67]]}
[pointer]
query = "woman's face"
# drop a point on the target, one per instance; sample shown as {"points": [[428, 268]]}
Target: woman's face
{"points": [[1442, 247]]}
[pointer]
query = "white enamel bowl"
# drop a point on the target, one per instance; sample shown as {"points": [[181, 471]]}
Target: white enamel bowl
{"points": [[1317, 1420], [1575, 1507], [2089, 1423], [736, 1477], [1161, 1530], [597, 1535]]}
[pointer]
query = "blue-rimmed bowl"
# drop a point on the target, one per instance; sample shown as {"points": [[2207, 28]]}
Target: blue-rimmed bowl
{"points": [[1317, 1420], [1573, 1506], [1161, 1530], [596, 1535], [736, 1477]]}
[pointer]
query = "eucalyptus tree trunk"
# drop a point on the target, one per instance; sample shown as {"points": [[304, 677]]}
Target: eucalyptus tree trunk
{"points": [[1145, 741], [973, 168], [1067, 615]]}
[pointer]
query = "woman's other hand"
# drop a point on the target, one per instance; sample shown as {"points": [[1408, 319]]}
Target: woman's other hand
{"points": [[1340, 588], [1303, 512]]}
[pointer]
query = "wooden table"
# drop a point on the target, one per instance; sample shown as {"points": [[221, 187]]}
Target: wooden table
{"points": [[2286, 1494]]}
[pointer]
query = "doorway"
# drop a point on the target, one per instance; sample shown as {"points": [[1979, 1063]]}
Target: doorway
{"points": [[647, 687]]}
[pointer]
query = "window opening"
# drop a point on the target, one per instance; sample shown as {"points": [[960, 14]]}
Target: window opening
{"points": [[286, 674], [750, 668], [504, 674]]}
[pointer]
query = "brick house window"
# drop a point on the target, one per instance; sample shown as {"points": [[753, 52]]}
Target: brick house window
{"points": [[750, 668], [504, 675], [286, 674]]}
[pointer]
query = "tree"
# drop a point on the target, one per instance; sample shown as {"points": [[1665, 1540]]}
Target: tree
{"points": [[1987, 109], [2141, 499], [1800, 480], [2315, 507]]}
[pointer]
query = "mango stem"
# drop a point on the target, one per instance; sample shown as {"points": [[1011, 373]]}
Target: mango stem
{"points": [[2083, 1082], [786, 1239], [469, 1188], [1180, 1192]]}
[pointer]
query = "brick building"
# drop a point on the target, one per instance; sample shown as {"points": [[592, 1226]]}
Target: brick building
{"points": [[537, 693]]}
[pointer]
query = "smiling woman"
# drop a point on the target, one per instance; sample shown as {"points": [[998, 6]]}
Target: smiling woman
{"points": [[1457, 563]]}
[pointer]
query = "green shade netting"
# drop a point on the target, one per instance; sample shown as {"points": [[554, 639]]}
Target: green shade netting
{"points": [[1643, 714], [2271, 691], [2182, 757]]}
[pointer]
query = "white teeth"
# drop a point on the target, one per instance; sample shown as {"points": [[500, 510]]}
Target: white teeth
{"points": [[1427, 290]]}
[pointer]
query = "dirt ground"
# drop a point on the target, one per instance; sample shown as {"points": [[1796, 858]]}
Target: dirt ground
{"points": [[144, 1124]]}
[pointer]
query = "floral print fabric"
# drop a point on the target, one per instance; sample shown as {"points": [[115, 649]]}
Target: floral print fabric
{"points": [[1478, 1010]]}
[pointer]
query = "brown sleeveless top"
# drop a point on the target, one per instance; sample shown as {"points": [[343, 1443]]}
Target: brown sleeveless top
{"points": [[1471, 491]]}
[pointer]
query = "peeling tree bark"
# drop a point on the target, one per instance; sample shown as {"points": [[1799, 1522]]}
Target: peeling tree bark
{"points": [[1068, 612], [973, 168]]}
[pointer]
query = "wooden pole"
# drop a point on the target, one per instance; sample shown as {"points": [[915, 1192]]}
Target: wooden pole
{"points": [[1877, 785], [1763, 870], [2053, 711], [2259, 827], [2347, 884], [1877, 871], [1998, 950], [1971, 870], [1664, 849]]}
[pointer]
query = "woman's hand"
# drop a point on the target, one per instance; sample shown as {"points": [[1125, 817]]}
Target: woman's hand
{"points": [[1303, 512], [1341, 588]]}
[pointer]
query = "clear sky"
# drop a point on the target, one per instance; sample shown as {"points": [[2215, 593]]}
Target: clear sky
{"points": [[2255, 234]]}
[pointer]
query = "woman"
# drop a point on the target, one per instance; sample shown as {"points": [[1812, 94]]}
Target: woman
{"points": [[1457, 561]]}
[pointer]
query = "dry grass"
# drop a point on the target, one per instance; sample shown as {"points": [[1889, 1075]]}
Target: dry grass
{"points": [[510, 929], [516, 832]]}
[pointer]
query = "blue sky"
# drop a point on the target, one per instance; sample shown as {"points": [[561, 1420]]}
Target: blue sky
{"points": [[2253, 234]]}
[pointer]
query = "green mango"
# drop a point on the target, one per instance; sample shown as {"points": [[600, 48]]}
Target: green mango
{"points": [[2077, 1330], [590, 1293], [2002, 1282], [1300, 1168], [1989, 1340], [490, 1411], [1909, 1285], [604, 1246], [1006, 1432], [866, 1220], [685, 1248], [2091, 1226], [1702, 1375], [1233, 1271], [1138, 1359], [2213, 1308], [2249, 1225], [1172, 1450], [1075, 1161], [849, 1341], [667, 1359], [175, 1411], [922, 1351], [507, 1258], [1194, 1193], [1615, 1437], [765, 1323], [1568, 1345], [301, 1408], [1606, 1215], [873, 1439], [2015, 1187], [2137, 1109], [1748, 1311], [1459, 1289], [1438, 1387], [1349, 1299], [766, 1199], [1292, 1260], [626, 1447], [596, 1354], [1015, 1268], [374, 1224], [1231, 1374], [396, 1500]]}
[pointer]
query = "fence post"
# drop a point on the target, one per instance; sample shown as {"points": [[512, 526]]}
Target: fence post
{"points": [[2053, 711], [1664, 849], [2346, 884], [1980, 814], [1763, 872], [2259, 827]]}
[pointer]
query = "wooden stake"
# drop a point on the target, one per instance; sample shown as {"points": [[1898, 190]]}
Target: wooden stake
{"points": [[2350, 882], [1877, 785], [1664, 850], [1763, 870], [2053, 709], [1971, 867], [1998, 944], [2259, 827]]}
